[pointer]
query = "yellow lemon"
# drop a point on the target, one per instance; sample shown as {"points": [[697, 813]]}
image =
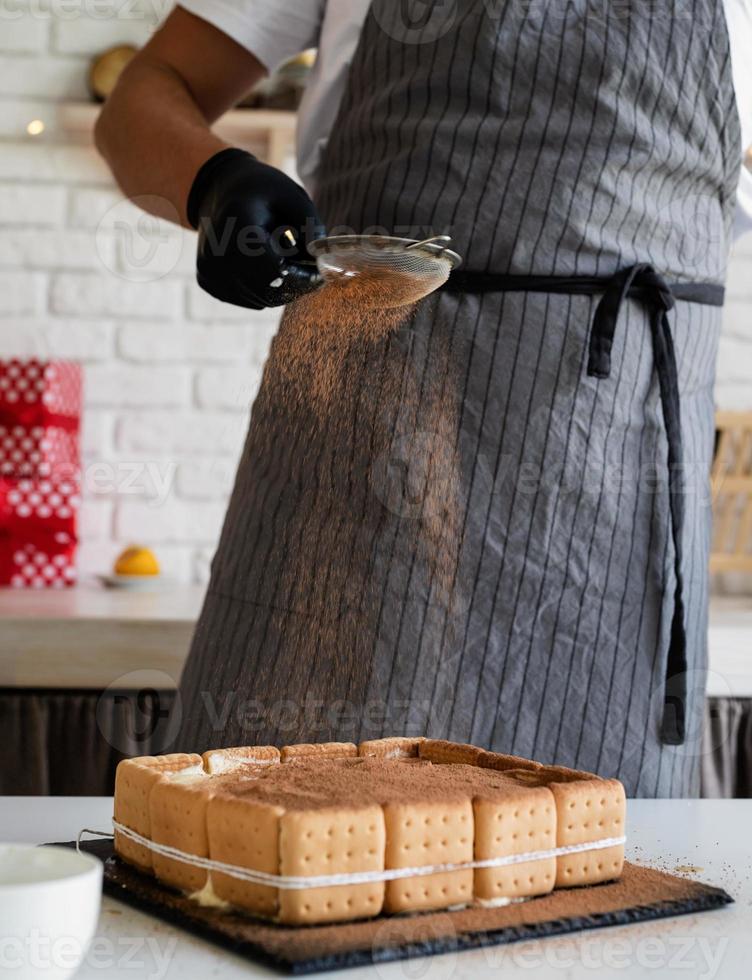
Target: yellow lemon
{"points": [[137, 560]]}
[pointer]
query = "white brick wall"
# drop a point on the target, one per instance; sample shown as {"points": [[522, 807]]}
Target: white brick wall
{"points": [[26, 204], [103, 294], [43, 76], [169, 372]]}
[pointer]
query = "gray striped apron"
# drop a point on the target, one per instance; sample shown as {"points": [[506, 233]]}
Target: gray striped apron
{"points": [[497, 532]]}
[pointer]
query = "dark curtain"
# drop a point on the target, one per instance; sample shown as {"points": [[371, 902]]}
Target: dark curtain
{"points": [[727, 749], [68, 743]]}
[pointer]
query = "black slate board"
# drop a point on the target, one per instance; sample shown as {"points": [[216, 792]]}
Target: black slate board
{"points": [[641, 894]]}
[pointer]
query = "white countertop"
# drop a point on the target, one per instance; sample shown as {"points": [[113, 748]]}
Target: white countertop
{"points": [[712, 835]]}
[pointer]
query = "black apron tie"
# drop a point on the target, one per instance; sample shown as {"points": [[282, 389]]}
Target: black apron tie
{"points": [[642, 283]]}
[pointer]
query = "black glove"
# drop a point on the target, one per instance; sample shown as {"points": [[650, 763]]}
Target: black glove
{"points": [[253, 223]]}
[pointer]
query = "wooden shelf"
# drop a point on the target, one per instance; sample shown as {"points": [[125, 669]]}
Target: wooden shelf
{"points": [[91, 637], [270, 131]]}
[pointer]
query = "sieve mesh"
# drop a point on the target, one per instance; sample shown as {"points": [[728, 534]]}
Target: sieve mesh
{"points": [[382, 271]]}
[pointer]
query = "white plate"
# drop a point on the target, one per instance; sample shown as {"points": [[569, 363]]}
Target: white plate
{"points": [[135, 583]]}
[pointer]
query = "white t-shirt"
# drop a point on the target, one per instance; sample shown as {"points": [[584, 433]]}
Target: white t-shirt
{"points": [[274, 31]]}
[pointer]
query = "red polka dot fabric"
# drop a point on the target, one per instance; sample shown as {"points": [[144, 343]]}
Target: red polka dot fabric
{"points": [[37, 451], [40, 472], [33, 567], [53, 502], [56, 385]]}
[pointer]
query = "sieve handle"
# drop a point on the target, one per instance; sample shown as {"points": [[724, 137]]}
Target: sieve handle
{"points": [[436, 240]]}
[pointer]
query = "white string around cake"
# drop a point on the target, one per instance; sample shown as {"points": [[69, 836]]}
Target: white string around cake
{"points": [[355, 877]]}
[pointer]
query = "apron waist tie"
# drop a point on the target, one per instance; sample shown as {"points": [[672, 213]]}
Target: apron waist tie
{"points": [[642, 283]]}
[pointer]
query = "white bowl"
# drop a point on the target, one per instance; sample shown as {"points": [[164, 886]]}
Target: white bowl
{"points": [[49, 907]]}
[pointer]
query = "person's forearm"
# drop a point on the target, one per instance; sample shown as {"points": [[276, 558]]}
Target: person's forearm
{"points": [[154, 129], [154, 137], [154, 133]]}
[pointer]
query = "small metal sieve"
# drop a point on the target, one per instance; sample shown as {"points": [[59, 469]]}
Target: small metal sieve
{"points": [[392, 271]]}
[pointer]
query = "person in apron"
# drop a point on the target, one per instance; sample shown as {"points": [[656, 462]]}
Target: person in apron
{"points": [[541, 588]]}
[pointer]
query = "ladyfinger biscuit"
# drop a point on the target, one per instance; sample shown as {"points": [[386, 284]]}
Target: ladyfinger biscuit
{"points": [[538, 775], [326, 842], [244, 832], [563, 774], [177, 811], [439, 751], [421, 834], [321, 750], [589, 810], [514, 821], [223, 760], [134, 780], [391, 748], [501, 762]]}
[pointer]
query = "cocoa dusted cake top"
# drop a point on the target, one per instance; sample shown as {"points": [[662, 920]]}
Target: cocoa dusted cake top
{"points": [[319, 783]]}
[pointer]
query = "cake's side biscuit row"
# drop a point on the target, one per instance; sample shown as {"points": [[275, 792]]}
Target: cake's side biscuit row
{"points": [[137, 778], [178, 800]]}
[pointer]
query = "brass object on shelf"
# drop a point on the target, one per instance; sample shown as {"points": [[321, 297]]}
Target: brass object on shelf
{"points": [[106, 69], [284, 88]]}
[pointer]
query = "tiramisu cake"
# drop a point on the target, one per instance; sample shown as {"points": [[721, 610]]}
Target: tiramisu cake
{"points": [[396, 825]]}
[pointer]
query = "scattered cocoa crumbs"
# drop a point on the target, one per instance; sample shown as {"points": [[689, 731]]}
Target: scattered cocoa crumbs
{"points": [[642, 895], [638, 887]]}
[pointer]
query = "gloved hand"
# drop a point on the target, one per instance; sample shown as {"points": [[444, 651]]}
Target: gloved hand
{"points": [[253, 225]]}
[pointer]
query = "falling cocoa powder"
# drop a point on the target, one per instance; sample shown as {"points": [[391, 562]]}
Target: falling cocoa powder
{"points": [[371, 447], [322, 327]]}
